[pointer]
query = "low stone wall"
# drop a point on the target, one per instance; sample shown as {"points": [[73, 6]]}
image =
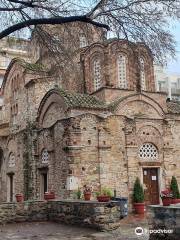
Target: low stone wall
{"points": [[21, 212], [165, 221], [84, 213]]}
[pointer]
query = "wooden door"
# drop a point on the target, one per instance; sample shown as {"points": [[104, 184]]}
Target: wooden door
{"points": [[151, 186], [11, 188], [43, 181]]}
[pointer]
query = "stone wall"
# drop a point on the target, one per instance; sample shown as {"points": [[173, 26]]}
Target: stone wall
{"points": [[85, 213], [164, 218], [21, 212]]}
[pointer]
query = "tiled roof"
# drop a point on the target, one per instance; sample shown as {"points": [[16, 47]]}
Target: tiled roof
{"points": [[113, 105], [81, 100], [173, 107], [34, 67]]}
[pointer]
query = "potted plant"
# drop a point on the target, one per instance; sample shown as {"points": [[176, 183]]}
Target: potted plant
{"points": [[105, 195], [175, 191], [87, 192], [19, 197], [138, 197], [49, 195], [78, 194], [166, 196]]}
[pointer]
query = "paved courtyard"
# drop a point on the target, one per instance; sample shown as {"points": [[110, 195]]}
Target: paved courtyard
{"points": [[56, 231]]}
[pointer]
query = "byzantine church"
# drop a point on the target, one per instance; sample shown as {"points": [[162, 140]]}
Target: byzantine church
{"points": [[91, 116]]}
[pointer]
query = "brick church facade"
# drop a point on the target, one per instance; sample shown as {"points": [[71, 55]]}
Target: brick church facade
{"points": [[94, 120]]}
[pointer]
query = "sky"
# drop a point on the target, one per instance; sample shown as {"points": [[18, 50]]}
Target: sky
{"points": [[174, 65]]}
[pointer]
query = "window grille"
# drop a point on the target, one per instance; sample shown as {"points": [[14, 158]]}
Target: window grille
{"points": [[97, 74], [148, 151], [12, 161], [82, 41], [45, 156], [122, 71], [142, 74]]}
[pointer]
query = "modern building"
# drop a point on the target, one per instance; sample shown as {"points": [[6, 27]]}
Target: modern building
{"points": [[89, 114], [167, 82], [10, 48]]}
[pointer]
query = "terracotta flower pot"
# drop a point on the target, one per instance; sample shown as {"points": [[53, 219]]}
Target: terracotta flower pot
{"points": [[49, 195], [87, 196], [166, 201], [19, 197], [175, 200], [139, 208], [103, 198]]}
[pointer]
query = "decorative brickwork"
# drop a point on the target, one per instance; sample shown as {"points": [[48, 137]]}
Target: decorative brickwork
{"points": [[58, 133]]}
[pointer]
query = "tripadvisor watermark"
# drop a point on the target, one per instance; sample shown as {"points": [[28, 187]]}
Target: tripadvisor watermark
{"points": [[143, 231]]}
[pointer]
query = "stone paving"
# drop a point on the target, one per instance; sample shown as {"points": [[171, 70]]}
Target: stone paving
{"points": [[56, 231]]}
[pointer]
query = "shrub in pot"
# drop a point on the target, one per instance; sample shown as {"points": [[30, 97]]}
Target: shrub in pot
{"points": [[166, 196], [175, 191], [138, 197], [105, 195]]}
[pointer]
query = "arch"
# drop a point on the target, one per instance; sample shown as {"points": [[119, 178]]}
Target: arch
{"points": [[51, 109], [148, 127], [93, 48], [121, 45], [150, 133], [154, 108], [8, 70]]}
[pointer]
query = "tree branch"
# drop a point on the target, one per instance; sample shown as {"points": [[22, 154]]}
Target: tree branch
{"points": [[98, 6], [31, 4], [57, 20], [10, 9], [27, 4]]}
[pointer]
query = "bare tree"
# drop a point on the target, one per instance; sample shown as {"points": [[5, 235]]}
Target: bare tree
{"points": [[144, 21]]}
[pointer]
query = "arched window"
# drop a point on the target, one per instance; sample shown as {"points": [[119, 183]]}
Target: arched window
{"points": [[142, 74], [148, 151], [45, 156], [122, 76], [82, 40], [12, 160], [97, 73]]}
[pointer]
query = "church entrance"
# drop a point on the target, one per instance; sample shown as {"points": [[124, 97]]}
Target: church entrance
{"points": [[151, 185], [43, 182], [10, 187]]}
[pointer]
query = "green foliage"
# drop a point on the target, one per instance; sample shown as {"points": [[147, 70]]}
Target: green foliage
{"points": [[138, 193], [107, 192], [174, 188], [78, 194], [104, 192], [98, 194]]}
